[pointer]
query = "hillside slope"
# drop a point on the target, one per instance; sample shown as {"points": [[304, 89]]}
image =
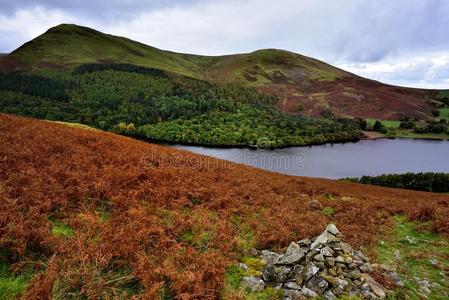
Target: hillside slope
{"points": [[99, 215], [302, 84]]}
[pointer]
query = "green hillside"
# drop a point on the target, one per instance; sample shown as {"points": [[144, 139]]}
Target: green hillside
{"points": [[301, 84], [69, 44]]}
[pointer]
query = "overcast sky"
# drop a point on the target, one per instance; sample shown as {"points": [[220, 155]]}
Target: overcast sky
{"points": [[404, 42]]}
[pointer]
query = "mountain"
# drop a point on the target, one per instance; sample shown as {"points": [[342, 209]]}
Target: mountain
{"points": [[301, 84], [90, 214]]}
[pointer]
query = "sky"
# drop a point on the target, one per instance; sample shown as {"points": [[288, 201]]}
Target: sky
{"points": [[402, 42]]}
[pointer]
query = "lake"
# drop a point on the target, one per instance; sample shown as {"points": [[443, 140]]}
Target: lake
{"points": [[366, 157]]}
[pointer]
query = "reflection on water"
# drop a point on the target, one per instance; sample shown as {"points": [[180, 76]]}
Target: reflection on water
{"points": [[367, 157]]}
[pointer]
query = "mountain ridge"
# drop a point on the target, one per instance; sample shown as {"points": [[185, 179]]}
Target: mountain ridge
{"points": [[302, 84]]}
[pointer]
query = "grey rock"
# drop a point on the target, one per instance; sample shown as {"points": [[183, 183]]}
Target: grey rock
{"points": [[320, 240], [317, 284], [319, 257], [410, 240], [340, 286], [352, 266], [368, 295], [310, 270], [253, 283], [348, 259], [292, 286], [366, 268], [397, 255], [276, 273], [434, 262], [304, 243], [345, 247], [355, 275], [327, 251], [359, 255], [387, 268], [332, 229], [425, 290], [243, 267], [308, 292], [329, 295], [330, 261], [339, 259], [396, 279], [375, 287], [270, 258], [293, 255], [293, 295]]}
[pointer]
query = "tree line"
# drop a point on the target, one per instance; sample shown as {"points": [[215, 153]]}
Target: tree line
{"points": [[429, 182], [162, 106]]}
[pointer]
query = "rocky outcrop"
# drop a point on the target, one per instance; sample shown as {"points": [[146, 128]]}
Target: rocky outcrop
{"points": [[324, 266]]}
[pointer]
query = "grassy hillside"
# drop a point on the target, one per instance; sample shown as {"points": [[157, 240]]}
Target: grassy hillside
{"points": [[302, 84], [96, 215]]}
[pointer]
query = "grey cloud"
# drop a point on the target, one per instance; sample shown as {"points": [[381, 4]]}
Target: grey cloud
{"points": [[337, 31]]}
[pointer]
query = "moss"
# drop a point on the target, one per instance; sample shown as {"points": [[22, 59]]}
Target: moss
{"points": [[328, 211], [254, 263], [61, 229], [417, 247]]}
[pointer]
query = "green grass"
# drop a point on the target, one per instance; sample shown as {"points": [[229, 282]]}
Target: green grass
{"points": [[414, 263], [386, 123], [61, 229], [232, 285], [76, 125], [328, 211], [11, 286], [410, 134], [444, 113], [395, 131]]}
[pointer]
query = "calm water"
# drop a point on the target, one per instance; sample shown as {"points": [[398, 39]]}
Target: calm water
{"points": [[367, 157]]}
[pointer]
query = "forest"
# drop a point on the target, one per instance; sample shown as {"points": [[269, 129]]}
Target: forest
{"points": [[161, 106], [428, 182]]}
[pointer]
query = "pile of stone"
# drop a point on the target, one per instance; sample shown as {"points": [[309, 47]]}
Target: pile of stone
{"points": [[324, 266]]}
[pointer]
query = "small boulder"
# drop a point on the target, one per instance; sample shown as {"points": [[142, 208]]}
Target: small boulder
{"points": [[243, 267], [366, 268], [252, 283], [332, 229], [375, 287], [309, 271], [317, 284], [276, 273], [293, 255], [293, 295], [292, 286], [308, 292], [315, 205], [270, 258]]}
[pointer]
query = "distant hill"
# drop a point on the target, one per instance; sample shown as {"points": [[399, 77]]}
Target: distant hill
{"points": [[302, 84]]}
